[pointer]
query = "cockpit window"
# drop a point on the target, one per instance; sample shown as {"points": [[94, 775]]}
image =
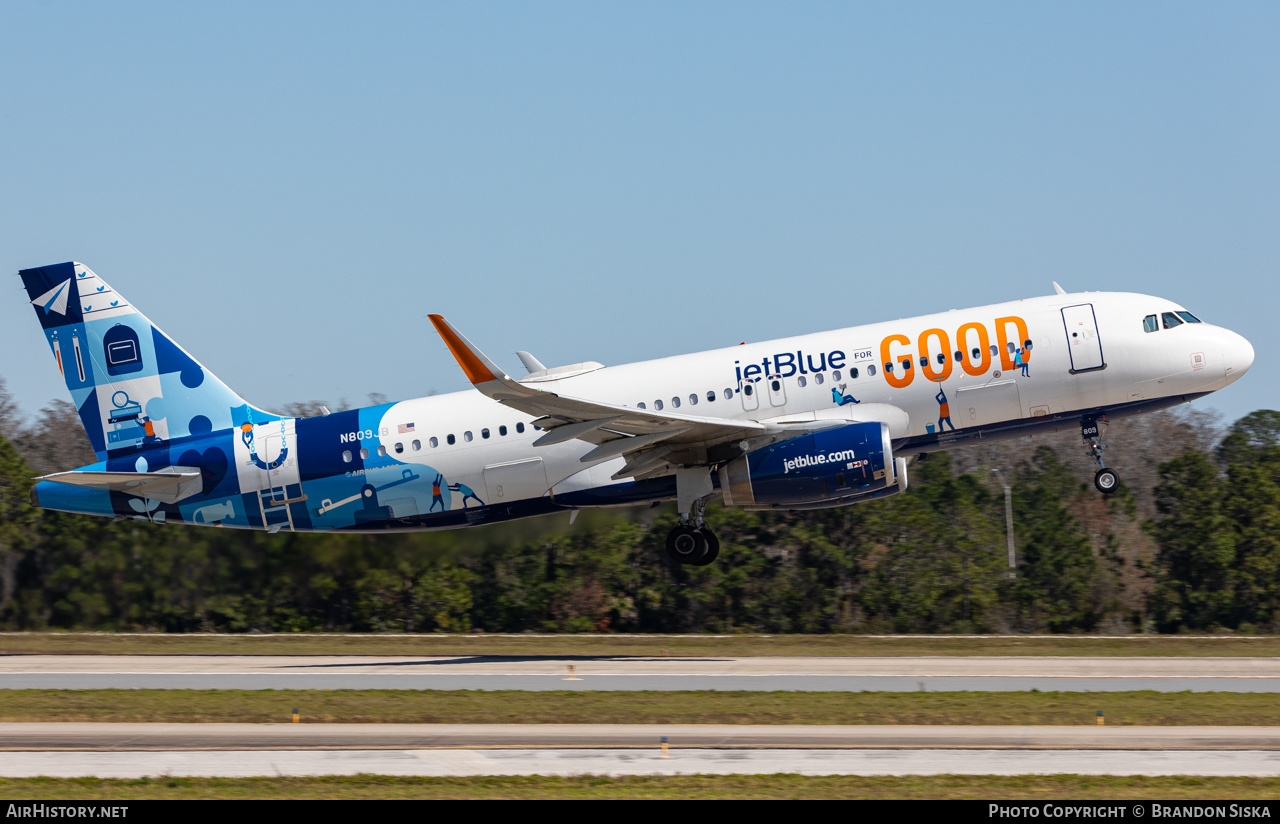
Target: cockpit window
{"points": [[1170, 320], [1188, 317], [1150, 323]]}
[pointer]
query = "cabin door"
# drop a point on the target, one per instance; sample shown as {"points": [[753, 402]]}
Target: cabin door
{"points": [[1083, 343]]}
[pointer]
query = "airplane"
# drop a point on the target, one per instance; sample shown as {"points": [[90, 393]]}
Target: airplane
{"points": [[819, 420]]}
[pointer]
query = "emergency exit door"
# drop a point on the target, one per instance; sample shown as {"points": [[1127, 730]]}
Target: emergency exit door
{"points": [[1083, 343]]}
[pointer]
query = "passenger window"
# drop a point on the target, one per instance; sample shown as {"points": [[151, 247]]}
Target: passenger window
{"points": [[449, 439], [775, 384], [906, 364], [466, 436], [888, 367], [924, 361], [871, 370], [434, 442], [399, 448], [641, 405], [1188, 317], [942, 357], [853, 373], [520, 426], [728, 394], [818, 378], [484, 433], [711, 396], [835, 376], [748, 390], [959, 356], [657, 405], [364, 454], [346, 456], [1170, 320], [675, 402], [977, 353], [800, 381], [995, 351], [382, 452], [693, 399], [502, 430], [1026, 344], [1012, 348], [417, 446]]}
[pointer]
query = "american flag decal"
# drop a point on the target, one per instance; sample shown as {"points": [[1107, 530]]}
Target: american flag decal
{"points": [[403, 428]]}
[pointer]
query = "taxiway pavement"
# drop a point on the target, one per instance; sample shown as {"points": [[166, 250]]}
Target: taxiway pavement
{"points": [[163, 736], [454, 762], [996, 673]]}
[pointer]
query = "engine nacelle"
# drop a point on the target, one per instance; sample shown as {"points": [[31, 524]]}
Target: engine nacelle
{"points": [[820, 467]]}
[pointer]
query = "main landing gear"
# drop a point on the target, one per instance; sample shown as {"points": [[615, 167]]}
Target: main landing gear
{"points": [[692, 542], [1106, 480]]}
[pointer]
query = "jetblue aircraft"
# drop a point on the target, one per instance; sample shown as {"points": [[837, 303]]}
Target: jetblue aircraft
{"points": [[820, 420]]}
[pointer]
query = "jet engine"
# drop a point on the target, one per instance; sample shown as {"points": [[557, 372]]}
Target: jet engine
{"points": [[827, 467]]}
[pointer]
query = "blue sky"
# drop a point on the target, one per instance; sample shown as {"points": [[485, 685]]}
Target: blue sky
{"points": [[288, 189]]}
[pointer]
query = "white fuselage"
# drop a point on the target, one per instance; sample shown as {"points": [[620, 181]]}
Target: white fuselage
{"points": [[987, 393]]}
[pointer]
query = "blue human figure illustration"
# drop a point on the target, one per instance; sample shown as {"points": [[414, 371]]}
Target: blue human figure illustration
{"points": [[944, 409], [1020, 359], [840, 398], [467, 492], [436, 496]]}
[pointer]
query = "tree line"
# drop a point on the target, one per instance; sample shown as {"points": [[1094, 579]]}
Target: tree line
{"points": [[1190, 543]]}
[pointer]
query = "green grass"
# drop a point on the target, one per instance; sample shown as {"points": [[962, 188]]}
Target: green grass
{"points": [[984, 788], [709, 707], [632, 645]]}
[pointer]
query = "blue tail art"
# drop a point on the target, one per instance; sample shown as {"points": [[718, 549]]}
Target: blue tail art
{"points": [[134, 387]]}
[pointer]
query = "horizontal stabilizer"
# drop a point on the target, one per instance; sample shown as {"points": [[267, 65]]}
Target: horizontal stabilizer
{"points": [[168, 486]]}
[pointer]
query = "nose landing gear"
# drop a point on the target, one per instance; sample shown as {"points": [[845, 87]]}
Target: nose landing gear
{"points": [[1106, 480]]}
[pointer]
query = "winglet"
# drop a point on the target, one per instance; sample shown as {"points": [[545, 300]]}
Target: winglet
{"points": [[478, 368]]}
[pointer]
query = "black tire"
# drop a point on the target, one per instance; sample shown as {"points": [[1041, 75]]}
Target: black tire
{"points": [[686, 545], [713, 547], [1107, 481]]}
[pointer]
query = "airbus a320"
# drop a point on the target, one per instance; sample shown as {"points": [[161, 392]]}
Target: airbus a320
{"points": [[820, 420]]}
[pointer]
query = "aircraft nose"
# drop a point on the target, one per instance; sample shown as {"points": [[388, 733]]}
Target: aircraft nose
{"points": [[1237, 356]]}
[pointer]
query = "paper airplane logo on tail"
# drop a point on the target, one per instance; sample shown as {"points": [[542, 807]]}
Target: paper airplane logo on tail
{"points": [[55, 300]]}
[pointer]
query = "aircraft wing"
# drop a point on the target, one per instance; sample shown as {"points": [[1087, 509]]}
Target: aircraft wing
{"points": [[649, 439]]}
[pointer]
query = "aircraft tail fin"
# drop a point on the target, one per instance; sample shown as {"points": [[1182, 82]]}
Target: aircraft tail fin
{"points": [[134, 387]]}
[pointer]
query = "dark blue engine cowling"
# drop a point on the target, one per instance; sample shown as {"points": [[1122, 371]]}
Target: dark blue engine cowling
{"points": [[822, 466]]}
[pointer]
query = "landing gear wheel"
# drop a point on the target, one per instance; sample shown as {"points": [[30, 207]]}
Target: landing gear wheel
{"points": [[686, 545], [1107, 481], [712, 546]]}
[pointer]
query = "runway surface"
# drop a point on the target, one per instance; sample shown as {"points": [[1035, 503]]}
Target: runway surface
{"points": [[140, 737], [448, 762], [899, 674]]}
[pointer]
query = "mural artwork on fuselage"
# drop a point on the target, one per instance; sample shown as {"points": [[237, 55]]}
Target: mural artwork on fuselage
{"points": [[147, 406]]}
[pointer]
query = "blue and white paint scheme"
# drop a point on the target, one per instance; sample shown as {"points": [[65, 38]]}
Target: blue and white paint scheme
{"points": [[820, 420]]}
